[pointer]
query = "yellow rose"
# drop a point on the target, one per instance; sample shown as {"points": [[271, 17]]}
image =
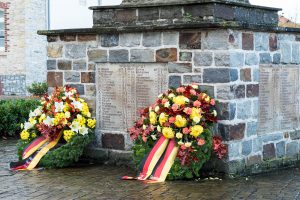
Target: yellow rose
{"points": [[179, 100], [24, 135], [196, 130], [153, 118], [196, 112], [163, 118], [168, 132], [180, 121]]}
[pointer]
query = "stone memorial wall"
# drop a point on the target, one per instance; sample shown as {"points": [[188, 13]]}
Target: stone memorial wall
{"points": [[240, 57]]}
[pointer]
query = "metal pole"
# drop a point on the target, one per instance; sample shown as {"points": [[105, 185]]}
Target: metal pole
{"points": [[99, 2]]}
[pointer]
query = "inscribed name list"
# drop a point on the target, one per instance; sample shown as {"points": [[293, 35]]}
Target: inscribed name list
{"points": [[278, 99], [125, 88]]}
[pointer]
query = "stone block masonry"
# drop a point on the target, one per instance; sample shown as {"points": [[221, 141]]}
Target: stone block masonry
{"points": [[230, 71], [226, 60]]}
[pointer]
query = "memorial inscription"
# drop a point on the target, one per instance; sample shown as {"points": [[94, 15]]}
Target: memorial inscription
{"points": [[278, 98], [125, 88]]}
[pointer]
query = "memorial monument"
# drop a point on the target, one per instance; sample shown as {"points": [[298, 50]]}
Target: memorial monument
{"points": [[232, 49]]}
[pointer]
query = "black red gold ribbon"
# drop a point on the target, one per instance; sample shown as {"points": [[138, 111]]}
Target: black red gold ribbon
{"points": [[158, 162], [31, 156]]}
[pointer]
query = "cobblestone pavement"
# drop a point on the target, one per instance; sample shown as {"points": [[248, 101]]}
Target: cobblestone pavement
{"points": [[102, 182]]}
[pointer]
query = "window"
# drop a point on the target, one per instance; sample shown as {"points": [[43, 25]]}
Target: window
{"points": [[2, 31]]}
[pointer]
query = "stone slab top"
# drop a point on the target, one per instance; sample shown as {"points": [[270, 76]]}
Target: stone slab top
{"points": [[156, 3], [207, 26]]}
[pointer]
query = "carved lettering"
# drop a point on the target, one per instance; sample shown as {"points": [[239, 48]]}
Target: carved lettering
{"points": [[125, 88], [278, 99]]}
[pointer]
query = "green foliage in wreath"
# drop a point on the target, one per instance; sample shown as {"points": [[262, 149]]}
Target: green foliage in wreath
{"points": [[63, 156]]}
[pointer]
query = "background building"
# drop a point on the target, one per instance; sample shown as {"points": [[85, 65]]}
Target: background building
{"points": [[78, 17], [22, 51]]}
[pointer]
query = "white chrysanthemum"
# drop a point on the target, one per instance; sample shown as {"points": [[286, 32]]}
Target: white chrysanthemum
{"points": [[156, 109], [59, 106], [179, 135], [77, 105], [83, 130], [31, 114], [167, 104], [38, 111], [171, 95], [154, 137], [28, 126], [49, 121], [75, 126]]}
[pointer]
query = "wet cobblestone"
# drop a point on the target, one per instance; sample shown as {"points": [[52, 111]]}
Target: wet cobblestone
{"points": [[102, 182]]}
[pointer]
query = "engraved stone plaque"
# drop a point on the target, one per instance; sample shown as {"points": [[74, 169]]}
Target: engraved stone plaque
{"points": [[125, 88], [278, 98]]}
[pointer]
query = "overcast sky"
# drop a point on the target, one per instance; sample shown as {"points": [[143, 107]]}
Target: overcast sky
{"points": [[79, 16]]}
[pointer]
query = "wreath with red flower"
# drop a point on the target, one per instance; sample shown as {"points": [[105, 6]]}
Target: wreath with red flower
{"points": [[186, 114]]}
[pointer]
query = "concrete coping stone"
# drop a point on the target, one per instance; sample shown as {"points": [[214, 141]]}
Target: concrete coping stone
{"points": [[132, 29], [177, 3]]}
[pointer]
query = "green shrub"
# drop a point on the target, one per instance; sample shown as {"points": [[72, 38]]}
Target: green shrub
{"points": [[13, 113], [38, 89]]}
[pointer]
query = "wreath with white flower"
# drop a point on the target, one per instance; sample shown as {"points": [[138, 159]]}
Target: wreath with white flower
{"points": [[63, 114]]}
